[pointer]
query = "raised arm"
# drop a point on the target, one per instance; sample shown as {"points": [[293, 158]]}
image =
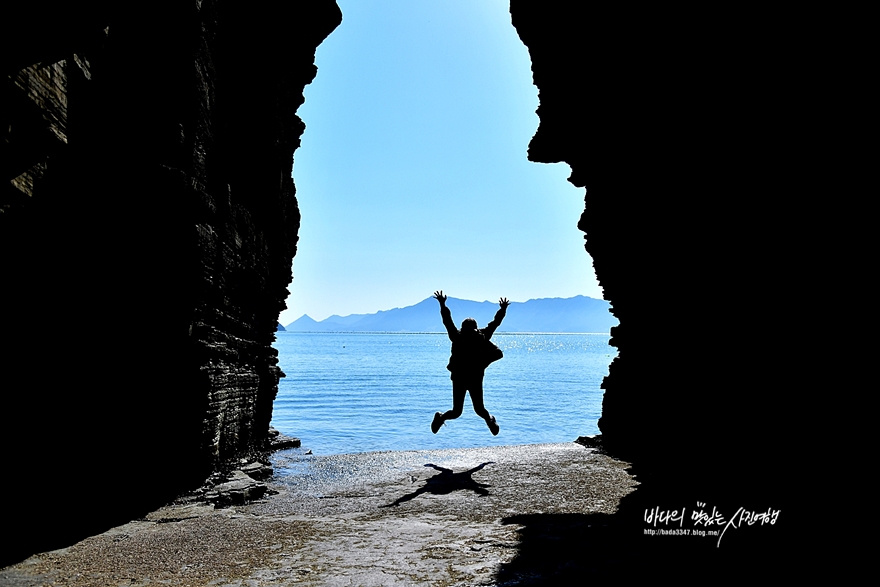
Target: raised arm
{"points": [[446, 315], [499, 316]]}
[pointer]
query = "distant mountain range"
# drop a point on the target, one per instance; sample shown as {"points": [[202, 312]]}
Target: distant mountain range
{"points": [[577, 314]]}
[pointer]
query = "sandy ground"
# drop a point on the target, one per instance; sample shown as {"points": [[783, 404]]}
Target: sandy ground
{"points": [[489, 516]]}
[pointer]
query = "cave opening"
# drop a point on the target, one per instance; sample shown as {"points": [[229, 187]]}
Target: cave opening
{"points": [[412, 177], [197, 162]]}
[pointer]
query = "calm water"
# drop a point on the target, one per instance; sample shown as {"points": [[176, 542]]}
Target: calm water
{"points": [[359, 392]]}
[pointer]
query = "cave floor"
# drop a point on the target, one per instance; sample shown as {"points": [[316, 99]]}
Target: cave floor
{"points": [[512, 515]]}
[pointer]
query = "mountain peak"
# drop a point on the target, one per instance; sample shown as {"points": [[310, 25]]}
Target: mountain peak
{"points": [[575, 314]]}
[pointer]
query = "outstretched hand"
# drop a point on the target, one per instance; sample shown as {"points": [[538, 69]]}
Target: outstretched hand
{"points": [[503, 302], [438, 295]]}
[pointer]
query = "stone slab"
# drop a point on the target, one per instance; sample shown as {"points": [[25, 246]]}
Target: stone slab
{"points": [[439, 518]]}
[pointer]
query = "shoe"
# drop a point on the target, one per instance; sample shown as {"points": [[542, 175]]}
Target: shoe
{"points": [[493, 426], [438, 421]]}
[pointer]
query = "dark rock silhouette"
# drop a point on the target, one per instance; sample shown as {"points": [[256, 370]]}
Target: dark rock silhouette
{"points": [[147, 170], [675, 134]]}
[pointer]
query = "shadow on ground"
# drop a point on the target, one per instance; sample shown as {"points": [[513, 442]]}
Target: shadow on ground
{"points": [[447, 482], [572, 549], [567, 549]]}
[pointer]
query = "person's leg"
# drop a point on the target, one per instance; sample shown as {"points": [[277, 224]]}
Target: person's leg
{"points": [[476, 389], [459, 390]]}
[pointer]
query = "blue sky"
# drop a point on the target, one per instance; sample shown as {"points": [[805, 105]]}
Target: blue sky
{"points": [[412, 175]]}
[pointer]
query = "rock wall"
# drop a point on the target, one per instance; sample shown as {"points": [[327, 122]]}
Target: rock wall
{"points": [[148, 223], [676, 130]]}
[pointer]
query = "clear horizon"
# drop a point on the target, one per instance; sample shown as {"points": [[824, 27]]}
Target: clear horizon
{"points": [[420, 301], [413, 173]]}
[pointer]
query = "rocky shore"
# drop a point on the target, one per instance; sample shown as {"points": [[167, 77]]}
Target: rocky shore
{"points": [[516, 515], [150, 155]]}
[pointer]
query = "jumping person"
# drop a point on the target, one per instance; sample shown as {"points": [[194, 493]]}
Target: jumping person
{"points": [[471, 354]]}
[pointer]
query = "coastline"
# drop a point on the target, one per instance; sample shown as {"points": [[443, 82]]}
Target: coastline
{"points": [[477, 516]]}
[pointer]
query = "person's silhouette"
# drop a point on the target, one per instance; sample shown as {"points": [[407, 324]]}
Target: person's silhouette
{"points": [[471, 354]]}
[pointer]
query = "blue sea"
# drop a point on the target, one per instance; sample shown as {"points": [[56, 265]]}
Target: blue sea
{"points": [[363, 392]]}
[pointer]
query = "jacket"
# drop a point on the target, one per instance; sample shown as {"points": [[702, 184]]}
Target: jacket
{"points": [[469, 349]]}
